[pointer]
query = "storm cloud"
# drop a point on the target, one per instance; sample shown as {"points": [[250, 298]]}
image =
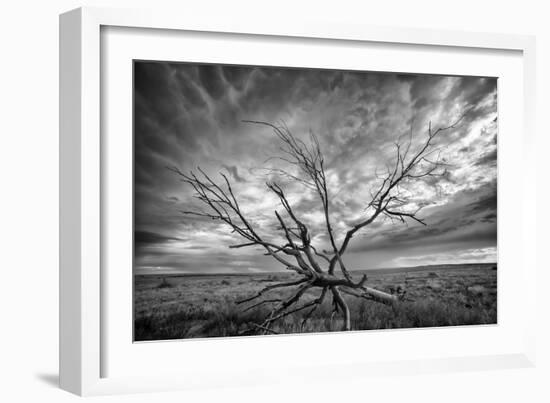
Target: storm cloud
{"points": [[192, 115]]}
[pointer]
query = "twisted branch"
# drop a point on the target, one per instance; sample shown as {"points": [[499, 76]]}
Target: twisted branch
{"points": [[387, 200]]}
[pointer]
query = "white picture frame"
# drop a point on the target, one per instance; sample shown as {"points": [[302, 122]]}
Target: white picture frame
{"points": [[83, 340]]}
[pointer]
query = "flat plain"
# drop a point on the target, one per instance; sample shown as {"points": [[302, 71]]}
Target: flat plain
{"points": [[176, 306]]}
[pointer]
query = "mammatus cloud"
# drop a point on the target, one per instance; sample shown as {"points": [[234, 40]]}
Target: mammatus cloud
{"points": [[191, 115]]}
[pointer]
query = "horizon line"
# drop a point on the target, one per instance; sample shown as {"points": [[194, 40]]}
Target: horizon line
{"points": [[175, 271]]}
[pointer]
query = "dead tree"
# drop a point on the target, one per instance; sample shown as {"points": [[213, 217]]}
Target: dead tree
{"points": [[323, 270]]}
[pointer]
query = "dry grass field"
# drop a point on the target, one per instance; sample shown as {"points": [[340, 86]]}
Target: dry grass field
{"points": [[190, 306]]}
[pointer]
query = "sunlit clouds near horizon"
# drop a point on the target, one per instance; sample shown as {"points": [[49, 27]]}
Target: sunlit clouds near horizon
{"points": [[190, 116]]}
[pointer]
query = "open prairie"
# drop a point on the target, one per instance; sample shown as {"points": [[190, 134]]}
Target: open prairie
{"points": [[190, 306]]}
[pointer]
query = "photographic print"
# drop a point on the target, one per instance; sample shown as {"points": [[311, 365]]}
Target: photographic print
{"points": [[277, 200]]}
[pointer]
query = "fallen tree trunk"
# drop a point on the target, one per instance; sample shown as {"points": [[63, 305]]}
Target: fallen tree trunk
{"points": [[356, 289], [372, 294], [381, 296]]}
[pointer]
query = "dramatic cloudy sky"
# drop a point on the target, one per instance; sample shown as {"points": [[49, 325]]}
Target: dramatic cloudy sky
{"points": [[191, 115]]}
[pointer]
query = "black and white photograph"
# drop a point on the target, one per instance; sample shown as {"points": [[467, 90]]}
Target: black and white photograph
{"points": [[282, 200]]}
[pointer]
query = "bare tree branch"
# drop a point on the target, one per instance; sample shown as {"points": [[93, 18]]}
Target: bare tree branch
{"points": [[390, 199]]}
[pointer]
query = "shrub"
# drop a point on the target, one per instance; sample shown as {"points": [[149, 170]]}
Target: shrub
{"points": [[164, 283]]}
